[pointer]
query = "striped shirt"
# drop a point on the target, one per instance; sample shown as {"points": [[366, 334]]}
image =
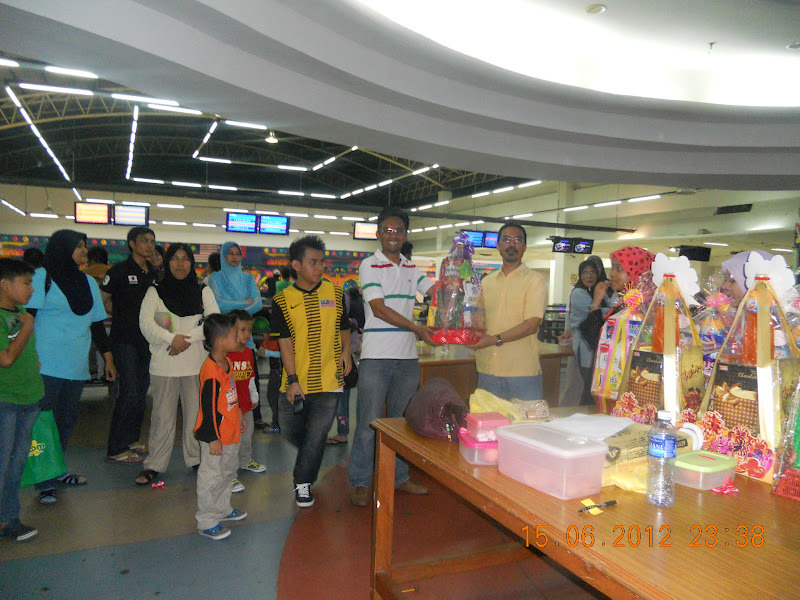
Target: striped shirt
{"points": [[397, 285]]}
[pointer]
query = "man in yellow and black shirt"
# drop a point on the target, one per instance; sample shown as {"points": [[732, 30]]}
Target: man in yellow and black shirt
{"points": [[312, 328]]}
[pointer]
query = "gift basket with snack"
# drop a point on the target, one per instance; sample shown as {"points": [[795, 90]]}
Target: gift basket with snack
{"points": [[713, 320]]}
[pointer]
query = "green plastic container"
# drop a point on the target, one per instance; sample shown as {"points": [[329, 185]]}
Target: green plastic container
{"points": [[704, 470]]}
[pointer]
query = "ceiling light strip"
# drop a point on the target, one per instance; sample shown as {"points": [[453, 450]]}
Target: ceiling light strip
{"points": [[72, 72], [55, 89], [12, 207], [144, 99], [134, 128]]}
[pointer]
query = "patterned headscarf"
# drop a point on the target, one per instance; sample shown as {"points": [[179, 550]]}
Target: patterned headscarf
{"points": [[634, 260]]}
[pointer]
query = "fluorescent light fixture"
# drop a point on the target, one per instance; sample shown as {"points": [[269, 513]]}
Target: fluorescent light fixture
{"points": [[448, 226], [480, 194], [294, 231], [345, 196], [226, 188], [358, 191], [175, 109], [369, 188], [442, 203], [290, 193], [292, 168], [12, 207], [56, 89], [431, 228], [203, 225], [317, 167], [425, 206], [135, 112], [169, 205], [271, 139], [331, 196], [522, 216], [643, 198], [611, 203], [195, 154], [152, 222], [73, 72], [177, 223], [507, 218], [414, 209], [71, 217], [462, 224], [373, 218], [213, 127], [5, 62], [13, 97], [132, 203], [354, 148], [352, 218], [673, 249], [78, 196], [98, 200], [288, 214], [503, 189], [781, 250], [420, 171], [529, 183], [415, 230], [329, 161], [224, 161], [714, 244], [571, 208], [477, 222], [206, 137], [246, 125], [159, 101], [325, 217], [338, 233], [266, 212], [238, 210], [436, 166], [313, 231], [143, 180], [43, 215], [383, 183], [186, 184]]}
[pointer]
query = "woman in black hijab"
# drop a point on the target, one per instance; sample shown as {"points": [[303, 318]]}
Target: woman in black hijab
{"points": [[69, 314], [171, 320]]}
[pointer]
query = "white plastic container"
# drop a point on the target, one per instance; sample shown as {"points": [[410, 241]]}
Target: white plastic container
{"points": [[483, 426], [703, 470], [475, 452], [557, 463]]}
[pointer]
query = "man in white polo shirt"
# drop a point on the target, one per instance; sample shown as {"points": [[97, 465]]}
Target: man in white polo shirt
{"points": [[389, 369]]}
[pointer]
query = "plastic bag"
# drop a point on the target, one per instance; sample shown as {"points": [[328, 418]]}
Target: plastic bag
{"points": [[46, 458], [436, 410]]}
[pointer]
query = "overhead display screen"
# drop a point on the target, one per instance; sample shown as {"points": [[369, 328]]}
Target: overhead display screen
{"points": [[91, 213], [490, 239], [365, 231], [476, 237], [131, 215], [581, 246], [273, 225], [562, 245], [241, 223]]}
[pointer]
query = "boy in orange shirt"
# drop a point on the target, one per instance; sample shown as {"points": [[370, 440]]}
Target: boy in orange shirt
{"points": [[218, 428]]}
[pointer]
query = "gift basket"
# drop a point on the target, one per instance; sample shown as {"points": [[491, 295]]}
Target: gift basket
{"points": [[665, 368], [754, 382], [457, 312], [713, 321]]}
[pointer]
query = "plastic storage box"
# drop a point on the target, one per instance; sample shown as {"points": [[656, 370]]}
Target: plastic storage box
{"points": [[483, 426], [475, 452], [557, 463], [703, 470]]}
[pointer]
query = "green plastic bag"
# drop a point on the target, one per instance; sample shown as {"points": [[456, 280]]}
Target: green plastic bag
{"points": [[46, 458]]}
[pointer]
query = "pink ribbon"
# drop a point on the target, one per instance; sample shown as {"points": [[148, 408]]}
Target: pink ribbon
{"points": [[726, 488], [160, 484], [718, 300]]}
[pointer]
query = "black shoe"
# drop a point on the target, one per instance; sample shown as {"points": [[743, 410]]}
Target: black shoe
{"points": [[17, 531], [303, 496]]}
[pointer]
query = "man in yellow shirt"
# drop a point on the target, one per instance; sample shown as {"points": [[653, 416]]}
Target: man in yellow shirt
{"points": [[507, 356]]}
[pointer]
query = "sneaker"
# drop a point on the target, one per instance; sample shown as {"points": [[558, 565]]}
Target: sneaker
{"points": [[237, 486], [359, 495], [236, 515], [303, 496], [412, 487], [17, 531], [255, 467], [271, 429], [218, 532], [47, 497]]}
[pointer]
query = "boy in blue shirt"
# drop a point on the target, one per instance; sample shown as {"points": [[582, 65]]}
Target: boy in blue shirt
{"points": [[21, 388]]}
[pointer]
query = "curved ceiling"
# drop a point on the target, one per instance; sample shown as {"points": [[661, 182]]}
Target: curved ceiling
{"points": [[341, 72]]}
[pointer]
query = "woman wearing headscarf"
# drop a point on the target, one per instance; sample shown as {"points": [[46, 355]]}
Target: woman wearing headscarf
{"points": [[171, 320], [580, 299], [69, 315], [735, 285]]}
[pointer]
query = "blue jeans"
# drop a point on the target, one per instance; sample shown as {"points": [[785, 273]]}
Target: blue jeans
{"points": [[307, 431], [133, 369], [521, 388], [63, 397], [16, 423], [381, 382], [343, 414]]}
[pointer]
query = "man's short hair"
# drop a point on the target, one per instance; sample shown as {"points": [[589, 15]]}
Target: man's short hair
{"points": [[287, 273], [214, 261], [11, 268], [241, 314], [393, 211], [161, 250], [513, 224], [297, 250], [135, 232], [216, 326], [98, 254], [33, 256]]}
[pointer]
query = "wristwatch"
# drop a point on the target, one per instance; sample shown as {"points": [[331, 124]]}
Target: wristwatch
{"points": [[499, 340], [290, 379]]}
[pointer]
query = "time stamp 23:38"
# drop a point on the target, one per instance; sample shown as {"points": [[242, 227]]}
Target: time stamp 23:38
{"points": [[659, 537]]}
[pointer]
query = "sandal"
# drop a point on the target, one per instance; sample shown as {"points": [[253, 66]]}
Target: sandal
{"points": [[128, 457], [71, 479], [138, 448], [259, 424], [335, 441], [146, 476], [47, 497]]}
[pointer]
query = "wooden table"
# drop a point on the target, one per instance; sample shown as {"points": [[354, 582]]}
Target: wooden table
{"points": [[631, 550], [458, 367]]}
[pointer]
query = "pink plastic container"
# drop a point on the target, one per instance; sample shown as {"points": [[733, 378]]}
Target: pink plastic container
{"points": [[557, 463], [482, 426], [475, 452]]}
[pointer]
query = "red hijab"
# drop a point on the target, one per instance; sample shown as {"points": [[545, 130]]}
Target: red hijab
{"points": [[634, 260]]}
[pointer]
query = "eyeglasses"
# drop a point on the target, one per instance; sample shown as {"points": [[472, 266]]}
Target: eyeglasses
{"points": [[507, 239], [390, 230]]}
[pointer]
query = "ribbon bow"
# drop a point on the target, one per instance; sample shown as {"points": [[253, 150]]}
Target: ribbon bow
{"points": [[160, 484], [726, 488]]}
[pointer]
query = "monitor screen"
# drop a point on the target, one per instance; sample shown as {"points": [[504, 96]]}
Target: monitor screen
{"points": [[241, 223], [131, 215], [476, 237], [562, 245], [701, 253], [365, 231], [581, 246], [273, 225], [89, 212], [490, 239]]}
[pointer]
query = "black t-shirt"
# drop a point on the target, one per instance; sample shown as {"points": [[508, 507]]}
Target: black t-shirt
{"points": [[127, 283]]}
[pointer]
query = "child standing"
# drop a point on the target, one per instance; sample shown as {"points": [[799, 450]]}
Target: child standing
{"points": [[21, 388], [243, 372], [269, 349], [218, 429]]}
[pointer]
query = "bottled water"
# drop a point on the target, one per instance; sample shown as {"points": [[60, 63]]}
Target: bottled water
{"points": [[661, 461]]}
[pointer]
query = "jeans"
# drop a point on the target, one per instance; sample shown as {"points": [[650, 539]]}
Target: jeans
{"points": [[307, 431], [274, 387], [133, 369], [381, 382], [256, 376], [63, 397], [343, 414], [16, 423], [521, 388]]}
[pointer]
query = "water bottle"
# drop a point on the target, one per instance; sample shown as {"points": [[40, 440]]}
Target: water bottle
{"points": [[661, 461]]}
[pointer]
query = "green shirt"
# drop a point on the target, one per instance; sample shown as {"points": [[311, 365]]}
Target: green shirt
{"points": [[282, 285], [20, 383]]}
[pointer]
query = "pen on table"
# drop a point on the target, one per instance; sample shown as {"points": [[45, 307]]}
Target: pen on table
{"points": [[601, 505]]}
